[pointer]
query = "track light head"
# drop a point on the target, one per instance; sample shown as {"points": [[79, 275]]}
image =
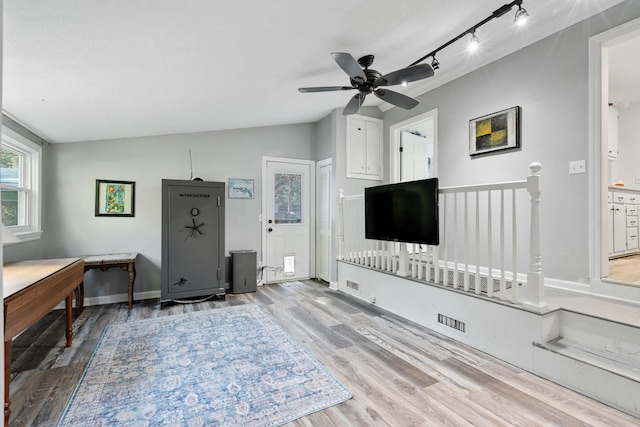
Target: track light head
{"points": [[435, 64], [474, 43], [521, 15]]}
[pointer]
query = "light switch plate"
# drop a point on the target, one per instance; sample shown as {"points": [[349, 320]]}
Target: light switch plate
{"points": [[577, 166]]}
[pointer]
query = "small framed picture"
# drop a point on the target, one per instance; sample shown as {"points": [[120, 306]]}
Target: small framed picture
{"points": [[495, 132], [115, 198], [240, 188]]}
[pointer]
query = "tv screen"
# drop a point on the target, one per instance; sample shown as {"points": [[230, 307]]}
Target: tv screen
{"points": [[404, 212]]}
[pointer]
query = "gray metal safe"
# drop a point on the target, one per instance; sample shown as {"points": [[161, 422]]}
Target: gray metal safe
{"points": [[192, 239]]}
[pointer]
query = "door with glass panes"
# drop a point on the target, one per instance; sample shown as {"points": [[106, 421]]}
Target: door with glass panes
{"points": [[287, 222]]}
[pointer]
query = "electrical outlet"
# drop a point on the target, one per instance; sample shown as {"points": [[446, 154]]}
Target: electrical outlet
{"points": [[577, 166]]}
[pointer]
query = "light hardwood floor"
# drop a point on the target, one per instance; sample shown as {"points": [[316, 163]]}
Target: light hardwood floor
{"points": [[625, 269], [401, 374]]}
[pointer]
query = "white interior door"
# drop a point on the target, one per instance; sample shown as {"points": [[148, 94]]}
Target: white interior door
{"points": [[323, 221], [416, 156], [287, 220]]}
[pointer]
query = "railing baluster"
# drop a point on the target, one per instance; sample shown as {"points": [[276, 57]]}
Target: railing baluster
{"points": [[489, 249], [445, 252], [503, 286], [465, 283], [515, 298], [455, 241], [477, 278]]}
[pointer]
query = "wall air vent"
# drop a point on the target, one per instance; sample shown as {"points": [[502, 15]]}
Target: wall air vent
{"points": [[452, 323], [353, 285]]}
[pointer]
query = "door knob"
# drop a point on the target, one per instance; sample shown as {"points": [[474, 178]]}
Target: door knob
{"points": [[269, 229]]}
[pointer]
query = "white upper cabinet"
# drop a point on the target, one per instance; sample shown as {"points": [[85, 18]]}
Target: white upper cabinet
{"points": [[364, 147]]}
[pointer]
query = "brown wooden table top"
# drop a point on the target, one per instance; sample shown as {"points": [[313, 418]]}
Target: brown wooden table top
{"points": [[19, 275]]}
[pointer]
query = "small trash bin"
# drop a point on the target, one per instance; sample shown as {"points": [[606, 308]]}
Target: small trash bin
{"points": [[243, 271]]}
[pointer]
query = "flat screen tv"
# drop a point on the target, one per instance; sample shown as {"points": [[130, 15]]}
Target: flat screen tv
{"points": [[404, 212]]}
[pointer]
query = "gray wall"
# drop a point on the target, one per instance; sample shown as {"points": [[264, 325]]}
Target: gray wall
{"points": [[73, 229], [323, 138], [549, 80]]}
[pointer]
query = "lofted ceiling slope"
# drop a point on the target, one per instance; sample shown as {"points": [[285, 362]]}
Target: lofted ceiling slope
{"points": [[80, 70]]}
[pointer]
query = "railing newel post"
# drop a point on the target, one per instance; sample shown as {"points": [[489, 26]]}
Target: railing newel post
{"points": [[535, 277]]}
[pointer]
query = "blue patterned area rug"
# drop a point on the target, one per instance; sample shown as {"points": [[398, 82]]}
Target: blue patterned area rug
{"points": [[232, 366]]}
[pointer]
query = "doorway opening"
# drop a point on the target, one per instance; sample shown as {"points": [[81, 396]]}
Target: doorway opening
{"points": [[414, 148], [615, 108]]}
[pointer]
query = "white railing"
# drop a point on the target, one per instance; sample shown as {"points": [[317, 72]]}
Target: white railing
{"points": [[483, 230]]}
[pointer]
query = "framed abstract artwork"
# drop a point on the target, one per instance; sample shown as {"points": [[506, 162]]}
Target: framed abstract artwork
{"points": [[115, 198], [240, 188], [495, 132]]}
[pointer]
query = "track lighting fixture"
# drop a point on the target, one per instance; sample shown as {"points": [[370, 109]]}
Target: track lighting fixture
{"points": [[520, 17], [435, 64], [474, 43]]}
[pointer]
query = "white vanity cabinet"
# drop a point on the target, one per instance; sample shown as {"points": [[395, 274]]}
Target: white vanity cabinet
{"points": [[364, 147], [623, 222]]}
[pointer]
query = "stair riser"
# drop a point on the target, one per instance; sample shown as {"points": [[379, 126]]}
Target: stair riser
{"points": [[620, 392], [614, 337]]}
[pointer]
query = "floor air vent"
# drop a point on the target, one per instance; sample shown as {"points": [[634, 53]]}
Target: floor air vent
{"points": [[353, 285], [452, 323]]}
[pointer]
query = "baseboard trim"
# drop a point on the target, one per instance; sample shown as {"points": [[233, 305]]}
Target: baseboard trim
{"points": [[117, 298]]}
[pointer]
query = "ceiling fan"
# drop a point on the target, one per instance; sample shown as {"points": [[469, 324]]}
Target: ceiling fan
{"points": [[367, 81]]}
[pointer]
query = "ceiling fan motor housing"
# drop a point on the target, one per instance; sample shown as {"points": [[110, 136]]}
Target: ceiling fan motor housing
{"points": [[367, 86]]}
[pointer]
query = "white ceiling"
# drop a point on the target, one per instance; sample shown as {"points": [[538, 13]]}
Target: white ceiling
{"points": [[77, 70]]}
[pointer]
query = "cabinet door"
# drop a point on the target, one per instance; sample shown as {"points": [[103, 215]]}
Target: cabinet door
{"points": [[610, 224], [357, 147], [632, 238], [364, 148], [373, 166], [619, 228]]}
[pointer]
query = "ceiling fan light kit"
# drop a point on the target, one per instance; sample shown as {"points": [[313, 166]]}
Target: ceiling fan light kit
{"points": [[366, 80]]}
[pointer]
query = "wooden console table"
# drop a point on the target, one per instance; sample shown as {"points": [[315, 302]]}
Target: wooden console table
{"points": [[125, 261], [31, 290]]}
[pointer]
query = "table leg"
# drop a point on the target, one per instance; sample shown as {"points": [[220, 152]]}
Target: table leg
{"points": [[132, 277], [7, 379], [69, 307]]}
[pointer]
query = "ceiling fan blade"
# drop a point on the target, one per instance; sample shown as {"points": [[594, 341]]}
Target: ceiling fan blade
{"points": [[354, 104], [397, 99], [323, 89], [350, 66], [405, 75]]}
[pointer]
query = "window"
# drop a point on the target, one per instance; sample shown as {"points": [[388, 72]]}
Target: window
{"points": [[20, 171], [287, 208]]}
